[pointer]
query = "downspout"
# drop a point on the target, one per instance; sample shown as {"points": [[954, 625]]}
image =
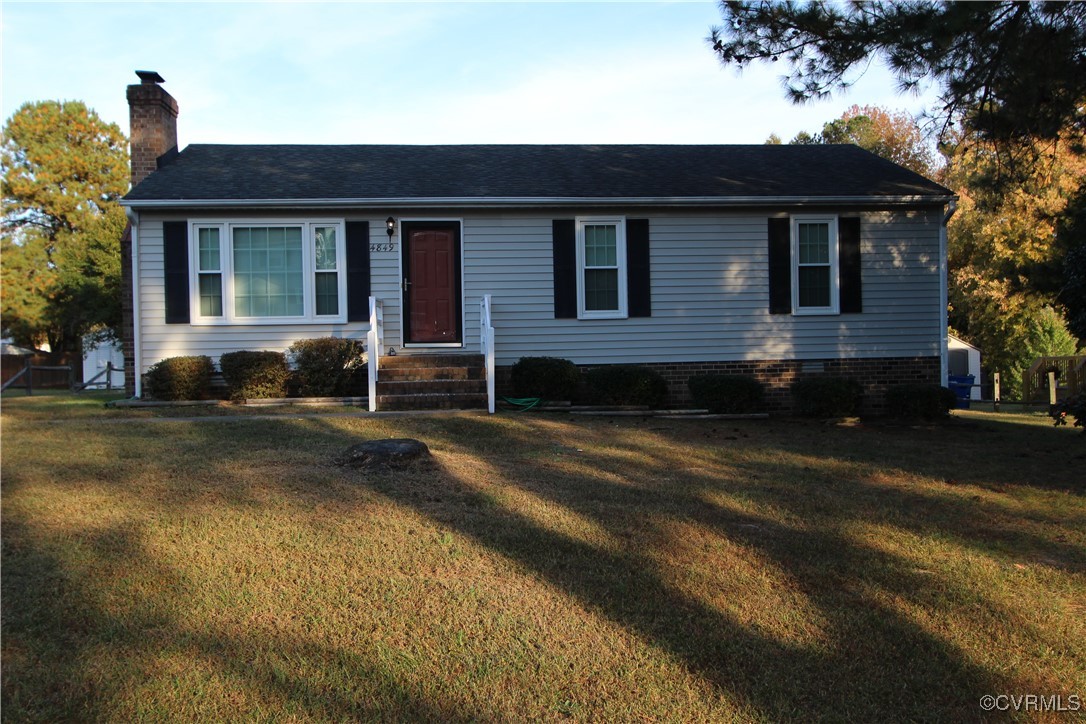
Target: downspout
{"points": [[944, 301], [137, 358]]}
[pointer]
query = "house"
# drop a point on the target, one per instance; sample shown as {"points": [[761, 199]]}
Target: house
{"points": [[775, 261]]}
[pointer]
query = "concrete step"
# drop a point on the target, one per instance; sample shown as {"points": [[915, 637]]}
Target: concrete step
{"points": [[431, 382], [403, 374], [430, 360], [429, 387], [433, 401]]}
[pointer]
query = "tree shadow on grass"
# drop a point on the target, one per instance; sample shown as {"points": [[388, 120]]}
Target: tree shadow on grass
{"points": [[844, 678], [839, 482], [878, 663], [55, 630], [874, 663]]}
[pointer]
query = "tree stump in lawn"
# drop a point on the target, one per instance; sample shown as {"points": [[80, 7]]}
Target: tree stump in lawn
{"points": [[391, 453]]}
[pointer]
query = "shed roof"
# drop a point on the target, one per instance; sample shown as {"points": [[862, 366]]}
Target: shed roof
{"points": [[532, 173]]}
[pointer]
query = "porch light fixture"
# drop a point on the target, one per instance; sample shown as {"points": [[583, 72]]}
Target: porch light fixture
{"points": [[390, 227]]}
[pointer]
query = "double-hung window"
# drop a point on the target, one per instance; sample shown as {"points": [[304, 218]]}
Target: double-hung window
{"points": [[601, 268], [267, 272], [815, 288], [209, 271]]}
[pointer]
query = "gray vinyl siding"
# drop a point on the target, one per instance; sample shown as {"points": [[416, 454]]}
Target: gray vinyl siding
{"points": [[710, 299], [158, 340]]}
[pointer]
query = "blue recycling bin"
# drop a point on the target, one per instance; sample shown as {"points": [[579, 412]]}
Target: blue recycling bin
{"points": [[961, 385]]}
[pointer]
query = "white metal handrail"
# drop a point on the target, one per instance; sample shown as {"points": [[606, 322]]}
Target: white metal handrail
{"points": [[486, 342], [374, 340]]}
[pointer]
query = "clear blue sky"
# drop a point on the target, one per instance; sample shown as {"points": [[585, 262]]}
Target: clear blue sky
{"points": [[356, 72]]}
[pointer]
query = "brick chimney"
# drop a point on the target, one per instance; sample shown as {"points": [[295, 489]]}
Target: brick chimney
{"points": [[153, 123], [152, 135]]}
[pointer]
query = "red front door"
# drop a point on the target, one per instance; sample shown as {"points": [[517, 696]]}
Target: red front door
{"points": [[432, 282]]}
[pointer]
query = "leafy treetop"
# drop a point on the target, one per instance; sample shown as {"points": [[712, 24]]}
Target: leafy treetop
{"points": [[892, 135]]}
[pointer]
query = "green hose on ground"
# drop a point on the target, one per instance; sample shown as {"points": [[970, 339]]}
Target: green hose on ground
{"points": [[523, 403]]}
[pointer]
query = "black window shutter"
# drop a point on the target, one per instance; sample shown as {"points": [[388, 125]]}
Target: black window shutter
{"points": [[848, 249], [175, 248], [358, 271], [780, 266], [638, 278], [564, 238]]}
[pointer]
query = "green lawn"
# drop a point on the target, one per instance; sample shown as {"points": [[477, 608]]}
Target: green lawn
{"points": [[542, 567]]}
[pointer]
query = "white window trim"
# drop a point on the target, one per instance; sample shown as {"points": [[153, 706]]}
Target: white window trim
{"points": [[226, 265], [620, 244], [835, 276]]}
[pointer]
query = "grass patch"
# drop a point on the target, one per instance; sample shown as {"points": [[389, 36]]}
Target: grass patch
{"points": [[543, 567]]}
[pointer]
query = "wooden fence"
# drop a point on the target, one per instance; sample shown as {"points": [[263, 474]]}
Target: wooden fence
{"points": [[40, 371]]}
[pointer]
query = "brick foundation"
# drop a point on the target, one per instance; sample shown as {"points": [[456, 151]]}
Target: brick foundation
{"points": [[875, 374]]}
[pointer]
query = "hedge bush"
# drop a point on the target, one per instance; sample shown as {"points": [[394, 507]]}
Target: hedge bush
{"points": [[180, 378], [626, 385], [328, 366], [255, 375], [827, 397], [928, 402], [547, 378], [727, 394], [1075, 407]]}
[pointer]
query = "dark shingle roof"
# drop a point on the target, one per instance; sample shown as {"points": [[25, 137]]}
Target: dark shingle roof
{"points": [[480, 172]]}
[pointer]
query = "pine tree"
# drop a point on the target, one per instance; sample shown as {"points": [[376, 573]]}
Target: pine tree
{"points": [[64, 170], [1012, 73]]}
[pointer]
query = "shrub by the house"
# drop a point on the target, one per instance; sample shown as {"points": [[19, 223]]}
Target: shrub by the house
{"points": [[328, 366], [179, 378], [924, 401], [548, 378], [827, 397], [626, 385], [251, 375], [1074, 406], [727, 394]]}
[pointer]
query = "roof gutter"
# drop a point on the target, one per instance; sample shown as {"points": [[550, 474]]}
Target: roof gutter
{"points": [[537, 201], [952, 206]]}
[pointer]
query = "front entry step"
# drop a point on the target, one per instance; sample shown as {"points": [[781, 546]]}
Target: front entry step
{"points": [[431, 382]]}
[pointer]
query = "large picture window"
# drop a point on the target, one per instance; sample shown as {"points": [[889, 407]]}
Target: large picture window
{"points": [[814, 265], [601, 268], [257, 272]]}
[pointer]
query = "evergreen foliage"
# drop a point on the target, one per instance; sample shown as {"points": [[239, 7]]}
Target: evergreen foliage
{"points": [[926, 402], [329, 366], [827, 397], [1010, 71], [251, 375], [1074, 407], [180, 378], [64, 170], [547, 378], [626, 385], [728, 394]]}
